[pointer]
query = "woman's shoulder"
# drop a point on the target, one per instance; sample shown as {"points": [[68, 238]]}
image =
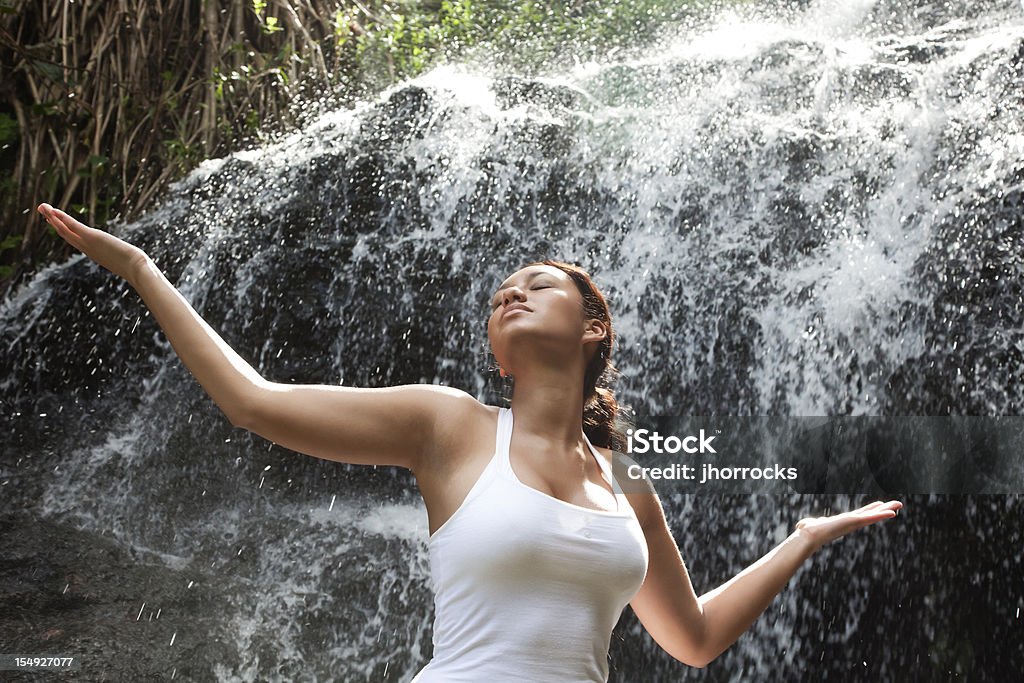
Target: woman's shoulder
{"points": [[460, 422], [457, 404]]}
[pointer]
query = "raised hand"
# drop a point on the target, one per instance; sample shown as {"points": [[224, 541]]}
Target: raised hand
{"points": [[114, 254], [821, 530]]}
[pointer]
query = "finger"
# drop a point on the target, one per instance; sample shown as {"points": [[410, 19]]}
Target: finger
{"points": [[869, 519], [47, 212], [873, 511], [64, 232], [59, 228], [70, 221], [57, 220], [58, 215], [872, 517]]}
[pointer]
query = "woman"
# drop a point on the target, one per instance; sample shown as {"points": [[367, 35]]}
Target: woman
{"points": [[533, 553]]}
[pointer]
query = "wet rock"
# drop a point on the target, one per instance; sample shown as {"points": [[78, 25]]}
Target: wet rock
{"points": [[512, 91]]}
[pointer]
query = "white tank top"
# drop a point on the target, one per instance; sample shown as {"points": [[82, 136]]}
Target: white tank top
{"points": [[528, 587]]}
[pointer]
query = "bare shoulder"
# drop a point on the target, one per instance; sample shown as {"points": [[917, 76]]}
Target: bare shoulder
{"points": [[455, 405], [450, 401], [460, 423], [455, 411]]}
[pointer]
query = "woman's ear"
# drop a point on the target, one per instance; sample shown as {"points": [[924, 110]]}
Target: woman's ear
{"points": [[595, 330]]}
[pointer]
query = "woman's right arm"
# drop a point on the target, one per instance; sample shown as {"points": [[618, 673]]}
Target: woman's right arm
{"points": [[387, 426]]}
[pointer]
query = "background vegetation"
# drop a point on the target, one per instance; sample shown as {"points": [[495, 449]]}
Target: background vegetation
{"points": [[105, 102]]}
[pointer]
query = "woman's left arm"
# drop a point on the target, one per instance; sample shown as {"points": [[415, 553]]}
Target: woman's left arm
{"points": [[730, 609], [696, 631]]}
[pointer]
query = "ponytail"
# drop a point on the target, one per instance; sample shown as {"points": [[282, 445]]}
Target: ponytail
{"points": [[600, 418]]}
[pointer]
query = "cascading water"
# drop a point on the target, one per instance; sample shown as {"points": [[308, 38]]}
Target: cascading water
{"points": [[806, 212]]}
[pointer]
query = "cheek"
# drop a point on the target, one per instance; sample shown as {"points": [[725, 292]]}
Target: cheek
{"points": [[569, 312]]}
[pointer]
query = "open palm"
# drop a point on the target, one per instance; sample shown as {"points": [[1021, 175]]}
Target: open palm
{"points": [[821, 530], [114, 254]]}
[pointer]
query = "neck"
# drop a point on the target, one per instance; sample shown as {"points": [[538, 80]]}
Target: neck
{"points": [[548, 403]]}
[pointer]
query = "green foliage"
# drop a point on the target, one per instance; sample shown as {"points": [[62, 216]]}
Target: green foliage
{"points": [[271, 26], [184, 155], [410, 38], [95, 165], [342, 21], [8, 129], [8, 243], [268, 25]]}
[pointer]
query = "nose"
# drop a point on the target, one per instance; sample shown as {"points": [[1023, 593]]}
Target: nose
{"points": [[511, 294]]}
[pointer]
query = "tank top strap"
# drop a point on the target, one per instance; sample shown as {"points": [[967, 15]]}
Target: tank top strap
{"points": [[503, 441], [605, 467]]}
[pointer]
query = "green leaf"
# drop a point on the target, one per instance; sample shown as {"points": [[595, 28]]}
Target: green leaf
{"points": [[271, 25], [11, 242], [252, 120], [43, 109], [8, 128], [52, 71]]}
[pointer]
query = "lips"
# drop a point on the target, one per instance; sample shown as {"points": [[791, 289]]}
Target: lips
{"points": [[514, 307]]}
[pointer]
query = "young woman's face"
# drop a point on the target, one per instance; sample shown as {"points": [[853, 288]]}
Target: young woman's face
{"points": [[538, 305]]}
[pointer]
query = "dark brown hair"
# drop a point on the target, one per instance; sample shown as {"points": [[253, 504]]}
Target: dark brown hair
{"points": [[600, 409]]}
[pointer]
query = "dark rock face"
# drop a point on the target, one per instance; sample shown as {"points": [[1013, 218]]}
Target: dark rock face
{"points": [[784, 224]]}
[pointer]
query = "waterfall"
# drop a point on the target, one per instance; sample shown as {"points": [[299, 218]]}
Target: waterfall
{"points": [[807, 210]]}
